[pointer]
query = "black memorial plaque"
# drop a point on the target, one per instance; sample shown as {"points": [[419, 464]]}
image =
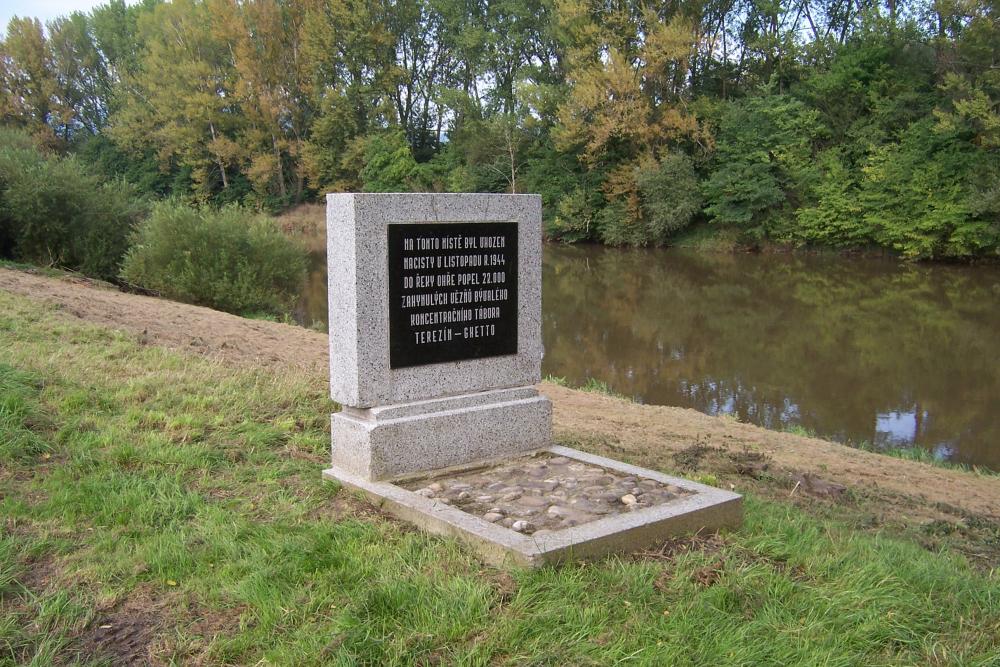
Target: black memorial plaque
{"points": [[452, 292]]}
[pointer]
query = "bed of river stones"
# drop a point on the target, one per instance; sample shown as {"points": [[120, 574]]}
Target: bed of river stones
{"points": [[544, 493]]}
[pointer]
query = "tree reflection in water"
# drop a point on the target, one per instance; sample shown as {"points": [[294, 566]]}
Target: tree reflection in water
{"points": [[854, 349]]}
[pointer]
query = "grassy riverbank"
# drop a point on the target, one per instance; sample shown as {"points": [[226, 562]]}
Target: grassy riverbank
{"points": [[160, 504]]}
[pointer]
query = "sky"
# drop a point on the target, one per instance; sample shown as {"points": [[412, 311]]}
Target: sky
{"points": [[42, 9]]}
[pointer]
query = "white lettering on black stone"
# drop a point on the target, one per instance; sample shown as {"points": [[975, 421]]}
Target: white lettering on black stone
{"points": [[433, 336], [454, 289]]}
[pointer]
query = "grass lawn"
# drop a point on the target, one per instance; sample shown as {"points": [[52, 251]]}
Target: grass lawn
{"points": [[159, 505]]}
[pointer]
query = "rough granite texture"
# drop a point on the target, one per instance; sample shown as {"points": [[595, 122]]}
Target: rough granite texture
{"points": [[359, 293], [439, 433], [407, 420]]}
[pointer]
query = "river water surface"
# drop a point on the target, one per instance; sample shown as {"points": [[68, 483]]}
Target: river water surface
{"points": [[857, 350]]}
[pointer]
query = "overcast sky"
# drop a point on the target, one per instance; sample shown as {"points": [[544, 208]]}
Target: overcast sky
{"points": [[42, 9]]}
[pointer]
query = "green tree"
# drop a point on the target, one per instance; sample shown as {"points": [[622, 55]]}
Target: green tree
{"points": [[28, 81], [626, 102], [763, 166], [389, 165], [349, 53], [670, 196], [270, 82], [836, 218], [84, 80], [920, 194]]}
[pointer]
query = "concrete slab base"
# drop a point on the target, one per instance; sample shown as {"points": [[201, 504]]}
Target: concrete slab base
{"points": [[707, 508]]}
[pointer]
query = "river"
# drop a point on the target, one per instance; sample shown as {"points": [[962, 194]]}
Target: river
{"points": [[857, 350]]}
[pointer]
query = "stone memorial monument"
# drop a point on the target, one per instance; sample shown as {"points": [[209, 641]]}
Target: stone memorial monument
{"points": [[435, 348]]}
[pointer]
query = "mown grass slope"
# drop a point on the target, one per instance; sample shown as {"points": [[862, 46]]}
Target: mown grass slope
{"points": [[155, 505]]}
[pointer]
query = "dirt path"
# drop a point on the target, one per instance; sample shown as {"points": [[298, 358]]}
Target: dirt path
{"points": [[652, 435], [176, 325]]}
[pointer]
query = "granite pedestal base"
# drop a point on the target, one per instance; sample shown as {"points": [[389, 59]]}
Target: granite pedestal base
{"points": [[395, 440], [698, 508]]}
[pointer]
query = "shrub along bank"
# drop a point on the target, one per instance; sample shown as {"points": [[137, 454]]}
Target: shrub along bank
{"points": [[54, 213], [227, 259]]}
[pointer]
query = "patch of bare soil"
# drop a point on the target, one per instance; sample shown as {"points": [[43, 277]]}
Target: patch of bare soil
{"points": [[781, 464], [200, 629], [142, 629], [123, 635], [176, 325], [670, 549]]}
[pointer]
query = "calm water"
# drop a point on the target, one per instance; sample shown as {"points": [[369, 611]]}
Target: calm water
{"points": [[853, 349]]}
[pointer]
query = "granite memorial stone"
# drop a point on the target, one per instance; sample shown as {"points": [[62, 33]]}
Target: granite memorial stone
{"points": [[435, 330], [435, 350]]}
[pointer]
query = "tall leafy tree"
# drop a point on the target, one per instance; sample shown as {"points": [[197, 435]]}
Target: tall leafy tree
{"points": [[627, 100], [29, 85], [183, 100], [84, 81], [349, 52], [270, 81]]}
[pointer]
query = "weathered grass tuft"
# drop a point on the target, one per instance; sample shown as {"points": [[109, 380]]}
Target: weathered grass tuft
{"points": [[592, 385], [17, 410]]}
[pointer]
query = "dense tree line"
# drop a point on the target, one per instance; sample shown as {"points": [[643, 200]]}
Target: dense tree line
{"points": [[829, 122]]}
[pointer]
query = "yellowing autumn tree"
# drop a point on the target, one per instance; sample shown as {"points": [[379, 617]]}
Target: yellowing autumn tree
{"points": [[28, 83], [627, 102], [264, 39], [183, 101]]}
